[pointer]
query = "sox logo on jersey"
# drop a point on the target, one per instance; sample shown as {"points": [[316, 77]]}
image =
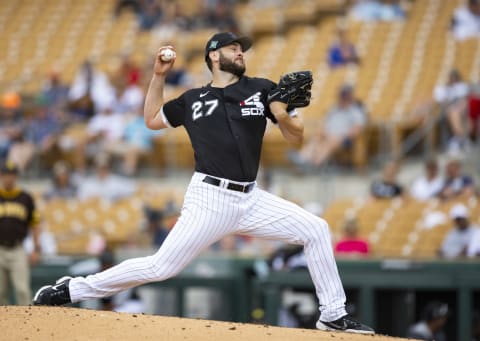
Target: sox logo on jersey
{"points": [[252, 106]]}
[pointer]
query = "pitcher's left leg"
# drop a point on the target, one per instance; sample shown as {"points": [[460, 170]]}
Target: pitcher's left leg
{"points": [[272, 217], [268, 216]]}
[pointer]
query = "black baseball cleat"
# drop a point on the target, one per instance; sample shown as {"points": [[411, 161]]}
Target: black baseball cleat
{"points": [[345, 324], [57, 294]]}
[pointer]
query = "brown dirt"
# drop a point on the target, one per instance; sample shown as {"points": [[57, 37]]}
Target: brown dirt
{"points": [[59, 323]]}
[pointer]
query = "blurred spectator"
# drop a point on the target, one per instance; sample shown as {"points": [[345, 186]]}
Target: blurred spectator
{"points": [[221, 16], [172, 23], [342, 51], [428, 185], [474, 112], [387, 187], [54, 91], [343, 123], [150, 13], [466, 21], [155, 226], [46, 240], [179, 76], [452, 91], [350, 244], [129, 72], [430, 327], [160, 222], [134, 5], [129, 98], [137, 141], [8, 122], [13, 144], [456, 241], [63, 185], [89, 91], [43, 130], [452, 100], [455, 183], [377, 10], [103, 184], [288, 257], [104, 133]]}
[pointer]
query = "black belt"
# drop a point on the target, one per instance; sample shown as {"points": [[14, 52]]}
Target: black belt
{"points": [[232, 186]]}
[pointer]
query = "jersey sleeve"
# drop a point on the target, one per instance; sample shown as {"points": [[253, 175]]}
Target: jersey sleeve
{"points": [[269, 87], [174, 111]]}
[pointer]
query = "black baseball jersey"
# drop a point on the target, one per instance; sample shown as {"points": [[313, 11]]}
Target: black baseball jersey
{"points": [[17, 214], [225, 125]]}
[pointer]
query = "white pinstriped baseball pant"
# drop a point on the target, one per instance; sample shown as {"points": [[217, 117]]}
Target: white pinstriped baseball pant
{"points": [[210, 213]]}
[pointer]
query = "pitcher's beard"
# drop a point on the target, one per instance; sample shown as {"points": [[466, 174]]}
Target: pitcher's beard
{"points": [[232, 67]]}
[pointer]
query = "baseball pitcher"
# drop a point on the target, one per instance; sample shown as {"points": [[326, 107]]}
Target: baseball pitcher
{"points": [[226, 122]]}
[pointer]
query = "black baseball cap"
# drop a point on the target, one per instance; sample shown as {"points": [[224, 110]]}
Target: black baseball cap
{"points": [[224, 39], [8, 168]]}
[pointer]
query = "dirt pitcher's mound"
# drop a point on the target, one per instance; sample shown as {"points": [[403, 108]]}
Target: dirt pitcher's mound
{"points": [[55, 323]]}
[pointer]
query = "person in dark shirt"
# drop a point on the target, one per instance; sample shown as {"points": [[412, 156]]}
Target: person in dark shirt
{"points": [[430, 327], [63, 185], [161, 221], [387, 187], [18, 217], [226, 121], [455, 183]]}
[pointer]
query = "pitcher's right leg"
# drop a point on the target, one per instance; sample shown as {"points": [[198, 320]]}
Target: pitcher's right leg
{"points": [[209, 213]]}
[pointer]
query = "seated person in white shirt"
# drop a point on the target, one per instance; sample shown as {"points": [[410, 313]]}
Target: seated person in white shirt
{"points": [[104, 184], [428, 185], [458, 238], [103, 133], [466, 21], [453, 90], [137, 141]]}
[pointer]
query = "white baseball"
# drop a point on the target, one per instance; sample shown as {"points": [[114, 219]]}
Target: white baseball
{"points": [[167, 55]]}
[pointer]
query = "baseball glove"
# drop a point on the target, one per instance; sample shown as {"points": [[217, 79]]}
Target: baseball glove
{"points": [[294, 89]]}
